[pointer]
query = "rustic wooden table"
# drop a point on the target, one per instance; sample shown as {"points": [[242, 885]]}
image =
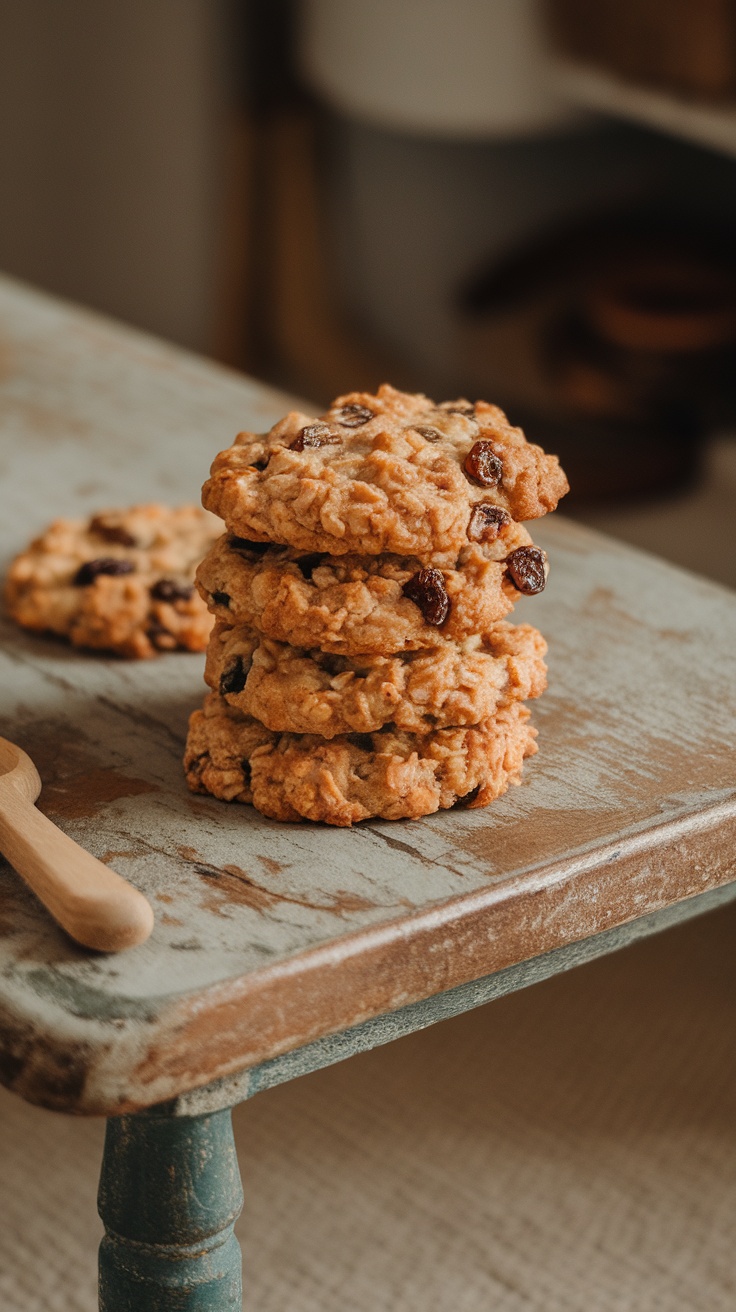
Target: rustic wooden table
{"points": [[282, 948]]}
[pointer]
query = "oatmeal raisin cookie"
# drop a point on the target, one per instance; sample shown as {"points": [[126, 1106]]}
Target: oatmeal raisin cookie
{"points": [[386, 473], [352, 604], [449, 685], [121, 581], [391, 774]]}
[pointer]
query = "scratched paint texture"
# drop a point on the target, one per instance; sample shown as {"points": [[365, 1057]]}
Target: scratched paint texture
{"points": [[270, 936]]}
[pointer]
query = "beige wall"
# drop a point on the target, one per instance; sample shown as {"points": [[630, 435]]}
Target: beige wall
{"points": [[110, 155]]}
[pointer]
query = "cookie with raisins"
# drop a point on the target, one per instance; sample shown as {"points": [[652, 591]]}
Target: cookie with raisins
{"points": [[315, 692], [351, 604], [391, 774], [386, 473], [121, 581]]}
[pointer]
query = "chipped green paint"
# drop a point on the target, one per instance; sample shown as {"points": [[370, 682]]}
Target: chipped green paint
{"points": [[169, 1195], [83, 1000]]}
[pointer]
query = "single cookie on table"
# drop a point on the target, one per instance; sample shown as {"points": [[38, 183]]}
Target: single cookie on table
{"points": [[386, 473], [392, 774], [380, 604], [121, 581], [449, 685]]}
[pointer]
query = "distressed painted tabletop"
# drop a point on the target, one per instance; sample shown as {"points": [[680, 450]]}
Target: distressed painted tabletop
{"points": [[269, 937]]}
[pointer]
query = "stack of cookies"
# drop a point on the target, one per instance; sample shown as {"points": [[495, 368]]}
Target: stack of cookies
{"points": [[361, 663]]}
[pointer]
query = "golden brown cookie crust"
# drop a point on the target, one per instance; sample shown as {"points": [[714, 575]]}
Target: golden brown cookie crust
{"points": [[449, 685], [352, 604], [386, 473], [392, 775], [121, 581]]}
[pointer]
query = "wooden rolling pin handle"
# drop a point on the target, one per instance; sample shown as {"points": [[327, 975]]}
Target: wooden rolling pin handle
{"points": [[92, 903]]}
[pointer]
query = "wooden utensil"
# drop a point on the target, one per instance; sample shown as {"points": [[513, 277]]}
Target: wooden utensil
{"points": [[96, 906]]}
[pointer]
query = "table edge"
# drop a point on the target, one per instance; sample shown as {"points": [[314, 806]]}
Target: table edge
{"points": [[104, 1066]]}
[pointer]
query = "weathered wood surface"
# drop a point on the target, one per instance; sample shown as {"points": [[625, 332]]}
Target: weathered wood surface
{"points": [[270, 936]]}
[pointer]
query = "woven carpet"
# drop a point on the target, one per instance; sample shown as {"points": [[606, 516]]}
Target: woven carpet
{"points": [[567, 1149]]}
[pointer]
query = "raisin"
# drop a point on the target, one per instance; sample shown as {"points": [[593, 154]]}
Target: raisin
{"points": [[429, 434], [233, 680], [353, 416], [170, 590], [221, 598], [528, 569], [111, 532], [89, 571], [160, 636], [486, 522], [362, 740], [245, 544], [245, 767], [482, 465], [468, 798], [308, 564], [315, 435], [427, 590]]}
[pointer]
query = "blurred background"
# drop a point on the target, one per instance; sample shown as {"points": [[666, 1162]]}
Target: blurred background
{"points": [[530, 202]]}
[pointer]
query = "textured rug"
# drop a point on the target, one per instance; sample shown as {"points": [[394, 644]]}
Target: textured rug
{"points": [[568, 1149]]}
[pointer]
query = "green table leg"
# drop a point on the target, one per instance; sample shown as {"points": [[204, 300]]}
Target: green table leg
{"points": [[169, 1196]]}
